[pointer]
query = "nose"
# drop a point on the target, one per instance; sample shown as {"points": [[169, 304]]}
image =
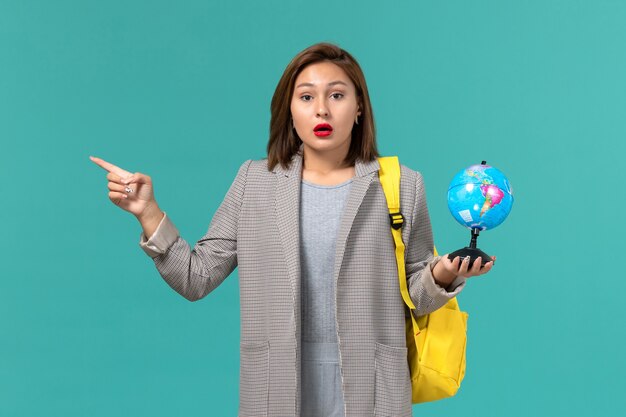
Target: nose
{"points": [[322, 110]]}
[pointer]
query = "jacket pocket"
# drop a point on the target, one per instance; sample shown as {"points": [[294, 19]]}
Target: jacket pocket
{"points": [[392, 384], [254, 379]]}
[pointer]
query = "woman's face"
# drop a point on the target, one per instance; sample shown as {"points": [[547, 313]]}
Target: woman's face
{"points": [[324, 107]]}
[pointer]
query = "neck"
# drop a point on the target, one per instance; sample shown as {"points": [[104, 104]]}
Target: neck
{"points": [[324, 162]]}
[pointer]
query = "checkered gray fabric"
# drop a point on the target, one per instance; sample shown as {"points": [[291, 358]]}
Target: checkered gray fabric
{"points": [[256, 228]]}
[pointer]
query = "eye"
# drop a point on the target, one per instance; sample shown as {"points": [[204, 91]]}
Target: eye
{"points": [[337, 96], [306, 97]]}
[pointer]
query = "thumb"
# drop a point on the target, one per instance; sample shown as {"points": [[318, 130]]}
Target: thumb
{"points": [[137, 178]]}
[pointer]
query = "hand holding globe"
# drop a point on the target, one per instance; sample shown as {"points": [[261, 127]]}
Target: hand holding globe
{"points": [[446, 270]]}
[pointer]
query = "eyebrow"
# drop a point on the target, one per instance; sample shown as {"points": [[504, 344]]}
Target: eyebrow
{"points": [[329, 84]]}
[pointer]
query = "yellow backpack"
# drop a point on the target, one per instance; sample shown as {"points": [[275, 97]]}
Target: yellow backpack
{"points": [[436, 341]]}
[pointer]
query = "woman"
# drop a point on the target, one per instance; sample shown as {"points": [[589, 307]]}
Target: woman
{"points": [[322, 319]]}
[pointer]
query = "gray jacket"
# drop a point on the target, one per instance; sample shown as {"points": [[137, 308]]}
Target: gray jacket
{"points": [[256, 228]]}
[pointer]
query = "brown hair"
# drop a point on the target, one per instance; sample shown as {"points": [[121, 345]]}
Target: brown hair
{"points": [[284, 141]]}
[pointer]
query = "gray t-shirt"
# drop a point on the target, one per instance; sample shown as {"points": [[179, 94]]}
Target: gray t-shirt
{"points": [[321, 207]]}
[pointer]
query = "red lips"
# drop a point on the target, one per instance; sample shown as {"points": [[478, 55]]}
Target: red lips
{"points": [[323, 129]]}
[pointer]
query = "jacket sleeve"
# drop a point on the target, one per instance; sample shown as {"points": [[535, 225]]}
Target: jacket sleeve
{"points": [[195, 273], [420, 260]]}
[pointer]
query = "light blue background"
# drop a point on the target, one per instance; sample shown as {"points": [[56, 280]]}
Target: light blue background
{"points": [[181, 91]]}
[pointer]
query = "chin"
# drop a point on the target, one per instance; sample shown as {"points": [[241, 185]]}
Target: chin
{"points": [[325, 142], [322, 144]]}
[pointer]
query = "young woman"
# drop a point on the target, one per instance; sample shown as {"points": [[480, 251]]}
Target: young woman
{"points": [[322, 318]]}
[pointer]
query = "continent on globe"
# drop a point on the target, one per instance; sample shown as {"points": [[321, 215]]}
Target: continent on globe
{"points": [[493, 196]]}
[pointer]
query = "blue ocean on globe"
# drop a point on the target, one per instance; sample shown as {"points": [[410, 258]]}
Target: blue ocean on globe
{"points": [[480, 197]]}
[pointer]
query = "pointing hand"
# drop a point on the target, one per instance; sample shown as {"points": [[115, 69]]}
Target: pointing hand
{"points": [[132, 192]]}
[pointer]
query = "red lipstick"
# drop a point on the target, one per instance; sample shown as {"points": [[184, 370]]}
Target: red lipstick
{"points": [[322, 129]]}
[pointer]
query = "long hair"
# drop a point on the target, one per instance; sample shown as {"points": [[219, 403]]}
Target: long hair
{"points": [[284, 141]]}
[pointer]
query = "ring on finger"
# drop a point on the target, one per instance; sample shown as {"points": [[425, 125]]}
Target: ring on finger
{"points": [[128, 190]]}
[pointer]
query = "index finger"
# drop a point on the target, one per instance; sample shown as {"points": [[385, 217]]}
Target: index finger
{"points": [[110, 167]]}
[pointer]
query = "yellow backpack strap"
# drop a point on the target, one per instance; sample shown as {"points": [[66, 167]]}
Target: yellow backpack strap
{"points": [[389, 176]]}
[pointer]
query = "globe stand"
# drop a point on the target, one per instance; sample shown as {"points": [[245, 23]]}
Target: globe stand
{"points": [[472, 251]]}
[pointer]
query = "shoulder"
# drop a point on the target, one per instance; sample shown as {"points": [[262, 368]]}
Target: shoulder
{"points": [[414, 177], [258, 167], [412, 186], [254, 173], [253, 167]]}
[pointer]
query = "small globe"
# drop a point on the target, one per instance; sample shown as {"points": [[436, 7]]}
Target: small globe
{"points": [[480, 197]]}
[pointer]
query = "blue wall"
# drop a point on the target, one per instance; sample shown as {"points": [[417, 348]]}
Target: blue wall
{"points": [[181, 91]]}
